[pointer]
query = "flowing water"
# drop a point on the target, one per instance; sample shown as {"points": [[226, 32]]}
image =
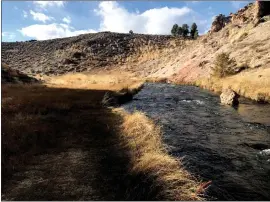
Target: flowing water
{"points": [[229, 146]]}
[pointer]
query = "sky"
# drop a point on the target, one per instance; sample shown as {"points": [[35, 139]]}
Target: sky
{"points": [[41, 20]]}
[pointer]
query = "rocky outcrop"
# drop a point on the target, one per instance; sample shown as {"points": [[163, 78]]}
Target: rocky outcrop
{"points": [[229, 97], [262, 8], [219, 22], [250, 13]]}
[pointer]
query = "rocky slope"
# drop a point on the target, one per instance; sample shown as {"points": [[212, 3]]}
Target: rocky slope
{"points": [[244, 35], [81, 53]]}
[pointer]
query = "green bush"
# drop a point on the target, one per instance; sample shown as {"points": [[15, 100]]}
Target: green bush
{"points": [[224, 66]]}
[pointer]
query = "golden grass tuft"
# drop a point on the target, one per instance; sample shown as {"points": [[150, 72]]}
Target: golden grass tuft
{"points": [[149, 156]]}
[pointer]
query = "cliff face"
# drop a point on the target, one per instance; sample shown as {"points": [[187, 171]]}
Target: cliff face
{"points": [[244, 35]]}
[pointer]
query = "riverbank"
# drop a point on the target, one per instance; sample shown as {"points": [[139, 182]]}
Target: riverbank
{"points": [[61, 143], [218, 143], [143, 138], [252, 84]]}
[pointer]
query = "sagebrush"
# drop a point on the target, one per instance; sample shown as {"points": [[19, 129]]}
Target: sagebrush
{"points": [[224, 65]]}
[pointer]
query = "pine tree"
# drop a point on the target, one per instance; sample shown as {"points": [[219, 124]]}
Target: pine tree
{"points": [[179, 31], [174, 29], [185, 30], [193, 31]]}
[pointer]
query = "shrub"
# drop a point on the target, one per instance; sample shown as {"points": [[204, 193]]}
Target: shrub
{"points": [[224, 66], [131, 32]]}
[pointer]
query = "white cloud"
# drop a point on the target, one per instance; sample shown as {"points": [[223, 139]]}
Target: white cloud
{"points": [[45, 4], [51, 31], [8, 35], [67, 19], [25, 15], [40, 16], [153, 21]]}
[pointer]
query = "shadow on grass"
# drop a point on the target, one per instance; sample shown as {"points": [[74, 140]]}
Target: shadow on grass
{"points": [[62, 144]]}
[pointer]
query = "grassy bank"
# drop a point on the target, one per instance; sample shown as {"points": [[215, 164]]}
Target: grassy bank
{"points": [[143, 140], [253, 84], [63, 144]]}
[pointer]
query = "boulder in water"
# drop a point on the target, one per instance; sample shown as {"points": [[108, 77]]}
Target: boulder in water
{"points": [[229, 97]]}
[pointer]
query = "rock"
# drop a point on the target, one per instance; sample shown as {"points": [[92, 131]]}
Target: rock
{"points": [[219, 22], [229, 97], [265, 152], [262, 8], [116, 99]]}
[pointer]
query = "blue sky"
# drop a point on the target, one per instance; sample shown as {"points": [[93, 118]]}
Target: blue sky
{"points": [[24, 20]]}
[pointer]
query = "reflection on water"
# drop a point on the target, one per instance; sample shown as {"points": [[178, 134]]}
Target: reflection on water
{"points": [[218, 143]]}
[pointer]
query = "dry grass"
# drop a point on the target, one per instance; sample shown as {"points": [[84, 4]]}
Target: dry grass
{"points": [[253, 84], [149, 156], [114, 81], [156, 80], [237, 35], [126, 150]]}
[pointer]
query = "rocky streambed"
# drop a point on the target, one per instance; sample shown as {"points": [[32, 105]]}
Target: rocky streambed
{"points": [[227, 146]]}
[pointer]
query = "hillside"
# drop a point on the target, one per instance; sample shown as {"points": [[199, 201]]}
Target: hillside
{"points": [[244, 36], [81, 53], [9, 75]]}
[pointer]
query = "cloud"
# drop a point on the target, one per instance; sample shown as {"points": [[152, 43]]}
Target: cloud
{"points": [[40, 16], [25, 15], [67, 19], [8, 35], [153, 21], [45, 4], [51, 31]]}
